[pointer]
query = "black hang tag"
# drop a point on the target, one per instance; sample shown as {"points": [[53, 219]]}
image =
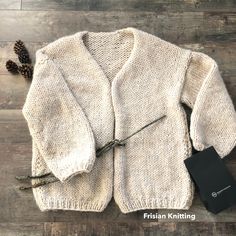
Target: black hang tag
{"points": [[217, 187]]}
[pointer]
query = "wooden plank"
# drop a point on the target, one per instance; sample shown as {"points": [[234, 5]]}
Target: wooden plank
{"points": [[201, 228], [13, 89], [10, 4], [29, 229], [39, 26], [13, 127], [230, 81], [116, 229], [129, 5], [134, 229]]}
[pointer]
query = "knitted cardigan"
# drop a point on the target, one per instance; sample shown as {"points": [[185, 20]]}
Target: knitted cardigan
{"points": [[91, 87]]}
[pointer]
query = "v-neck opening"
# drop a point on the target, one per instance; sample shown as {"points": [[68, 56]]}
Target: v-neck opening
{"points": [[95, 64]]}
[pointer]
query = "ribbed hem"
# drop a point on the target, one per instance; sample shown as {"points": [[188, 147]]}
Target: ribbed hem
{"points": [[53, 204], [164, 203]]}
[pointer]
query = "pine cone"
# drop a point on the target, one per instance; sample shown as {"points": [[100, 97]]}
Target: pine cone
{"points": [[19, 46], [26, 71], [24, 56], [12, 67]]}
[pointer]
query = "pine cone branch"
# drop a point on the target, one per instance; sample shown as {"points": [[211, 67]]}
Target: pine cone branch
{"points": [[26, 71], [22, 52], [24, 57], [12, 67], [19, 46]]}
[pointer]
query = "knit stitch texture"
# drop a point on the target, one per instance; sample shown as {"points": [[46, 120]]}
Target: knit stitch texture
{"points": [[91, 87]]}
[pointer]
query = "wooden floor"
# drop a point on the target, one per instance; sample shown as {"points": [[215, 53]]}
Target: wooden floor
{"points": [[202, 25]]}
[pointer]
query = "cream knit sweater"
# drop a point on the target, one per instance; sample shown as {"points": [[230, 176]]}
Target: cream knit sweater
{"points": [[91, 87]]}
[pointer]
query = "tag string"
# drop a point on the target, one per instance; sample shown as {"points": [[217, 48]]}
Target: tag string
{"points": [[108, 146]]}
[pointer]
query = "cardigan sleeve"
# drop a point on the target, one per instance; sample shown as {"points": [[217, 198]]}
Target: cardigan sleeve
{"points": [[57, 122], [213, 117]]}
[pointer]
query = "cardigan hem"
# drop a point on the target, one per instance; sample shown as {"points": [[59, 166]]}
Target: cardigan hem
{"points": [[53, 204], [143, 205]]}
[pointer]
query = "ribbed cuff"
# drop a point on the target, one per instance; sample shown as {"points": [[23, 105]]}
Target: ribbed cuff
{"points": [[183, 202], [66, 204], [66, 167]]}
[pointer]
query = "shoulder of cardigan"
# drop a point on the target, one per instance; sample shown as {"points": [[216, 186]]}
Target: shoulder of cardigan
{"points": [[41, 56], [54, 49]]}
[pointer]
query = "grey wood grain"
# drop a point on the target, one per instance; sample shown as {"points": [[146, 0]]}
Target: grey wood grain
{"points": [[117, 229], [25, 229], [13, 127], [129, 5], [194, 229], [10, 4], [144, 229], [13, 91], [194, 27]]}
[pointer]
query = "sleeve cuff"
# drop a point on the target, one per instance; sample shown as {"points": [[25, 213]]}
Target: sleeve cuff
{"points": [[64, 171]]}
